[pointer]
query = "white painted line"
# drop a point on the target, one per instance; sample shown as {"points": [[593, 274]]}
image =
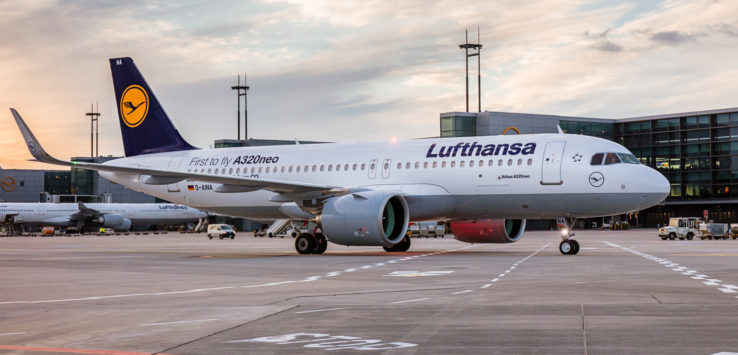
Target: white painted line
{"points": [[455, 293], [181, 322], [486, 285], [725, 288], [322, 310], [712, 282], [17, 333], [333, 273], [350, 270], [501, 275], [415, 300], [495, 279]]}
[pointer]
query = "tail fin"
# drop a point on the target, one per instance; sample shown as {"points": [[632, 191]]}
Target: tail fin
{"points": [[145, 126]]}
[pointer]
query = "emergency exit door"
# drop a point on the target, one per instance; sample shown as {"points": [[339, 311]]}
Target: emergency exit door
{"points": [[551, 168]]}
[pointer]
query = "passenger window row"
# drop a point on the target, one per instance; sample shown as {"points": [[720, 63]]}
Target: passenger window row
{"points": [[354, 167], [613, 158], [462, 163]]}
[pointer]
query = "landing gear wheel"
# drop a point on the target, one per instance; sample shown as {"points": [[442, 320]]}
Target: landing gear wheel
{"points": [[321, 244], [575, 251], [402, 246], [690, 236], [305, 243], [569, 247]]}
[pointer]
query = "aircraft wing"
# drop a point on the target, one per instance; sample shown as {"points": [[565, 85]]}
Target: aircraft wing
{"points": [[165, 177], [84, 212]]}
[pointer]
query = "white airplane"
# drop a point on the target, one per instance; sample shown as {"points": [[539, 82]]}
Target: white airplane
{"points": [[366, 193], [119, 216]]}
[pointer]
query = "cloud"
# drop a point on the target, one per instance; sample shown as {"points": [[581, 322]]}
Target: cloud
{"points": [[672, 38]]}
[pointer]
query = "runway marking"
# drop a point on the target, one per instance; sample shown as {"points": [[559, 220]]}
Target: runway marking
{"points": [[327, 342], [520, 261], [706, 280], [322, 310], [408, 301], [16, 333], [211, 289], [180, 322], [73, 351], [418, 273], [460, 292]]}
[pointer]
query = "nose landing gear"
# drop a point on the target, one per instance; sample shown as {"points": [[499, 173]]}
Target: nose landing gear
{"points": [[568, 246]]}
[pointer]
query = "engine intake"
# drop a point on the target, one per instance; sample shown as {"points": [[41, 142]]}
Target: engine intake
{"points": [[488, 230], [366, 218]]}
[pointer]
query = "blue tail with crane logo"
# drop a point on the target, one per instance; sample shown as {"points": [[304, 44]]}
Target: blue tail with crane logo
{"points": [[144, 125]]}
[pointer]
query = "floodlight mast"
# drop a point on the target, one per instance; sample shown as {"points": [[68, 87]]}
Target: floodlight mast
{"points": [[477, 50]]}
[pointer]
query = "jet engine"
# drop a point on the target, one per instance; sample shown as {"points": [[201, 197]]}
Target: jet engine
{"points": [[115, 221], [365, 218], [488, 230]]}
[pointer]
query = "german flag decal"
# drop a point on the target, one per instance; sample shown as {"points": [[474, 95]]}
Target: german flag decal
{"points": [[191, 187]]}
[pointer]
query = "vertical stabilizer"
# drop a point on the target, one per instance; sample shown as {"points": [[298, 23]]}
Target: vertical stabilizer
{"points": [[144, 125]]}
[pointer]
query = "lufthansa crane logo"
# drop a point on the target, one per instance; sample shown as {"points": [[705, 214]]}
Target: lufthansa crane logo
{"points": [[7, 184], [596, 179], [134, 105]]}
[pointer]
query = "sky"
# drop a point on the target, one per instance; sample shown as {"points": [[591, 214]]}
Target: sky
{"points": [[354, 70]]}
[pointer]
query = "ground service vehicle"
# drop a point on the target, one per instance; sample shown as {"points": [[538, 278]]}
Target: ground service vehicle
{"points": [[714, 231], [221, 231], [681, 227]]}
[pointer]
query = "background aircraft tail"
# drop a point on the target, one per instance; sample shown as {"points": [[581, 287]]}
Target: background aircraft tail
{"points": [[144, 125]]}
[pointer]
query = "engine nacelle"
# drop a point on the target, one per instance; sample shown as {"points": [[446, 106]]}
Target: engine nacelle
{"points": [[488, 230], [365, 218], [115, 221]]}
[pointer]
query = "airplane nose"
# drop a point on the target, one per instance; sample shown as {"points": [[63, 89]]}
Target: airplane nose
{"points": [[658, 187]]}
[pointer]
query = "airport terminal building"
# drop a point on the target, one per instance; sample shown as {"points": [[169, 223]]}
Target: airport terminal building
{"points": [[696, 151]]}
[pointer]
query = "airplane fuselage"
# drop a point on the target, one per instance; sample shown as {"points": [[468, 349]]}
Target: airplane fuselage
{"points": [[62, 214], [522, 176]]}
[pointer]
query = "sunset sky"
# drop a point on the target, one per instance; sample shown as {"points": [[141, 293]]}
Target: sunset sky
{"points": [[354, 70]]}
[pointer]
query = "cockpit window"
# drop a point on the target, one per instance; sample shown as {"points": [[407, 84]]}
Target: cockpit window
{"points": [[628, 158], [597, 159], [611, 158]]}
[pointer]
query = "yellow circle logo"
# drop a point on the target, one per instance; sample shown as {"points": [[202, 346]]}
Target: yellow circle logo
{"points": [[134, 105], [8, 184]]}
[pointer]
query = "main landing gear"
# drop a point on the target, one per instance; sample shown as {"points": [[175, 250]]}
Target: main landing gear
{"points": [[402, 246], [568, 246], [307, 243]]}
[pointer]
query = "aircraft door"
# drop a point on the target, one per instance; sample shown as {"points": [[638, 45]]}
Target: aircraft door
{"points": [[551, 167], [173, 165], [373, 169], [386, 168]]}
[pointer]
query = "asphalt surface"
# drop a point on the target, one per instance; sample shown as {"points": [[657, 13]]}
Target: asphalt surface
{"points": [[626, 292]]}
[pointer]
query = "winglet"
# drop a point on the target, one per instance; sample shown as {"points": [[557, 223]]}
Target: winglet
{"points": [[560, 131], [34, 147]]}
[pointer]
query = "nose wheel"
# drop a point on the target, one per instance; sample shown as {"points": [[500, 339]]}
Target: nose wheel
{"points": [[569, 247]]}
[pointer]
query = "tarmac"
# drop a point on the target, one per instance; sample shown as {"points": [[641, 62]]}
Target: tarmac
{"points": [[625, 292]]}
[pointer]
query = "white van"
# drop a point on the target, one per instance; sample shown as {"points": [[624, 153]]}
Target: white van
{"points": [[221, 231]]}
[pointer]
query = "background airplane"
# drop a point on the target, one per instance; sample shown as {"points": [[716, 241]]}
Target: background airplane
{"points": [[119, 216], [366, 193]]}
